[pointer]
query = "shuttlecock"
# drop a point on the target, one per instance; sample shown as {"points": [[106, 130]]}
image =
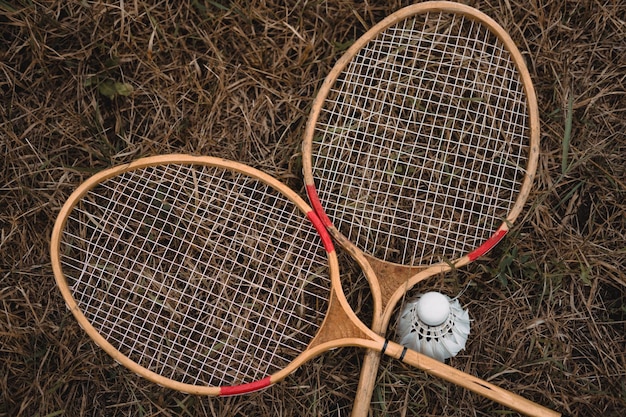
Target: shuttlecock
{"points": [[435, 325]]}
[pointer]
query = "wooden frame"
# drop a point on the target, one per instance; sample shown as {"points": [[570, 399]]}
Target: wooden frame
{"points": [[389, 282], [341, 327]]}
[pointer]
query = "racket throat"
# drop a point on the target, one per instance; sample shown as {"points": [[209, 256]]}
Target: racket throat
{"points": [[393, 279], [341, 327]]}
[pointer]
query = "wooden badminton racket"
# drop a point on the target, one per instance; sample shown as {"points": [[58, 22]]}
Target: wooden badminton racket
{"points": [[420, 150], [210, 277]]}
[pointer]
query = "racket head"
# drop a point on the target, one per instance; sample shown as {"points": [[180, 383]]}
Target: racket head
{"points": [[200, 274], [129, 253], [422, 143]]}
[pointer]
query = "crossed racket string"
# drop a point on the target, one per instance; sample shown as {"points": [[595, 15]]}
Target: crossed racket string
{"points": [[210, 277]]}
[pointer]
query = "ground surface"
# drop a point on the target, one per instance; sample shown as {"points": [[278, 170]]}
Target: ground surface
{"points": [[85, 85]]}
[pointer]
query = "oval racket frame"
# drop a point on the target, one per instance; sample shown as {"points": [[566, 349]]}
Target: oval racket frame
{"points": [[398, 278], [282, 193], [340, 116], [161, 222]]}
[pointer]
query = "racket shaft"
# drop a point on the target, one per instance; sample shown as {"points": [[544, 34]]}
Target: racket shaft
{"points": [[477, 385], [367, 382]]}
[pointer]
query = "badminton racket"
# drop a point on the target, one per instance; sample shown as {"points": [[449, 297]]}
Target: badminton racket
{"points": [[420, 150], [210, 277]]}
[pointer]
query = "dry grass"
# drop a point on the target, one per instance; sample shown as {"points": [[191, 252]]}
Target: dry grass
{"points": [[85, 85]]}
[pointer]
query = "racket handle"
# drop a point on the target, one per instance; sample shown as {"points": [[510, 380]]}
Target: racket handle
{"points": [[367, 382], [472, 383]]}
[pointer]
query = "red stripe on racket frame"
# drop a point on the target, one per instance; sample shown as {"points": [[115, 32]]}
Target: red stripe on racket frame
{"points": [[321, 229], [488, 245], [246, 388], [317, 205]]}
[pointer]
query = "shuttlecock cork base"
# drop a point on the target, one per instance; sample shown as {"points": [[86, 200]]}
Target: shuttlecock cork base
{"points": [[435, 325]]}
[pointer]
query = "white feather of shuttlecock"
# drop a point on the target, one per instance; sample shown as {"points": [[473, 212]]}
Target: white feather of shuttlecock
{"points": [[440, 331]]}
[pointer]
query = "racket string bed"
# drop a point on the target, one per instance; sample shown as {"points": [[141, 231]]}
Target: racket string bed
{"points": [[169, 264], [415, 162]]}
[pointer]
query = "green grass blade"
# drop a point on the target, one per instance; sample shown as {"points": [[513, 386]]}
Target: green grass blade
{"points": [[567, 134]]}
